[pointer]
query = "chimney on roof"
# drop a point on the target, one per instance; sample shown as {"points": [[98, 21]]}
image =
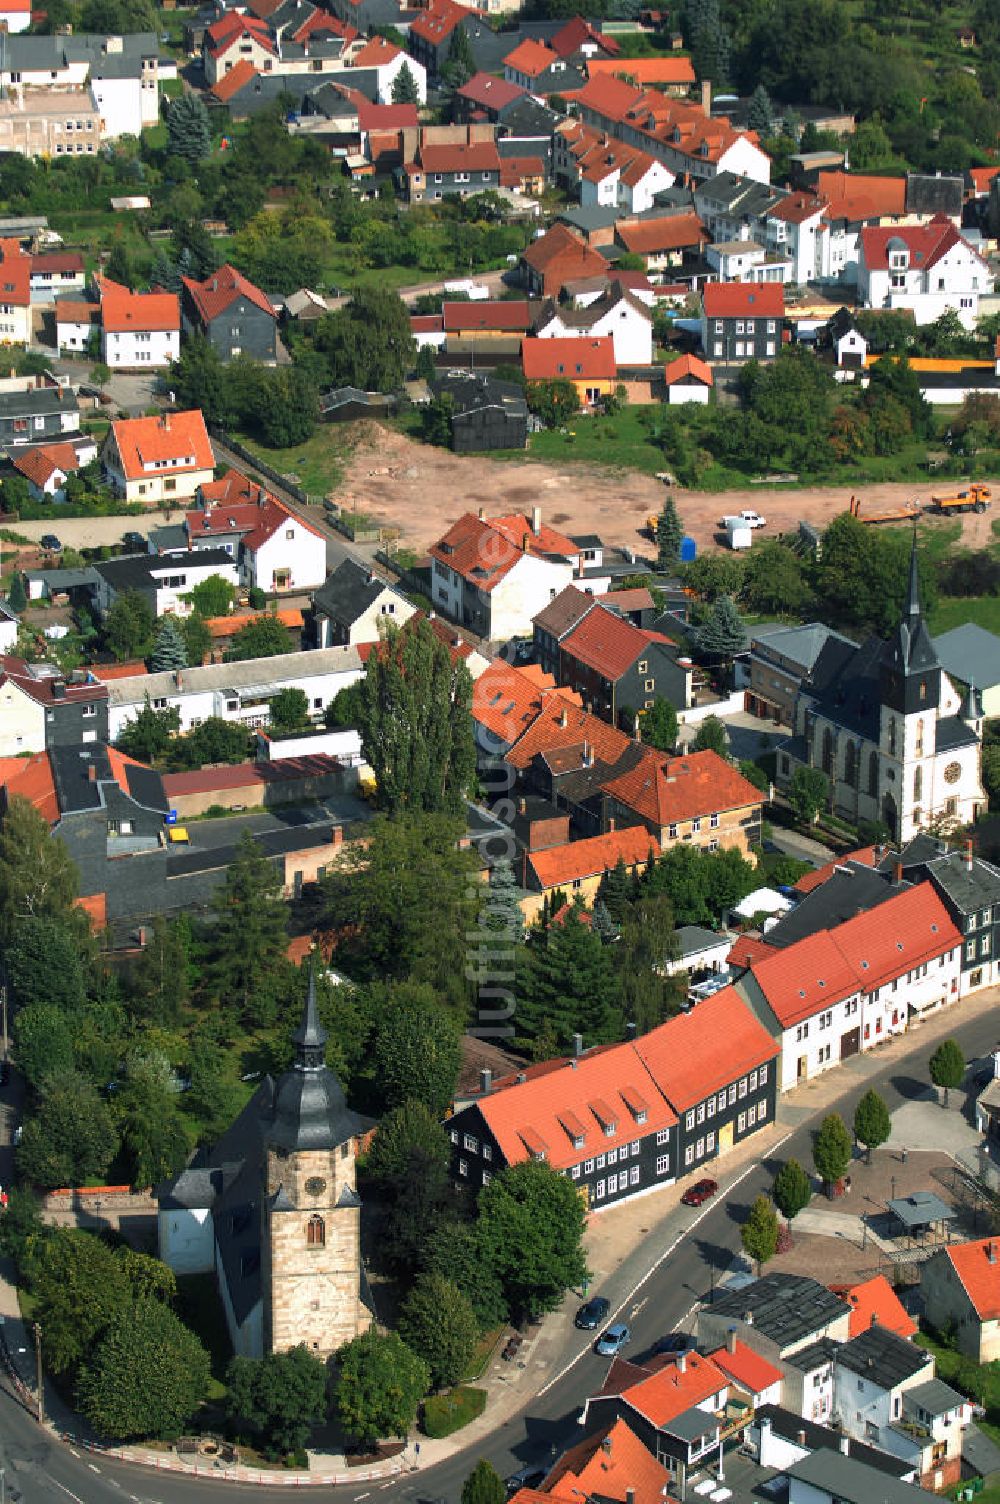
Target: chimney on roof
{"points": [[630, 1496], [968, 856], [522, 806], [706, 96], [897, 872], [165, 422], [845, 1446], [564, 718], [611, 826], [874, 1319], [482, 513], [748, 1318], [577, 1045], [59, 689], [606, 1444], [991, 1252], [520, 1078], [682, 1362], [630, 1029], [485, 1081], [178, 679], [802, 1438], [731, 1340], [536, 520], [91, 773]]}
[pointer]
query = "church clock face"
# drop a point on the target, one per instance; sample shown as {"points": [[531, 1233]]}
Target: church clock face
{"points": [[315, 1186], [953, 772]]}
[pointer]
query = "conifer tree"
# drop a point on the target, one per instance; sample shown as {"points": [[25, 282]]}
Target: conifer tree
{"points": [[188, 133], [17, 598], [669, 533], [723, 634], [404, 87], [169, 650]]}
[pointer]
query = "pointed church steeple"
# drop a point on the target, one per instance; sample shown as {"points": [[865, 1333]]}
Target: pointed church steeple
{"points": [[310, 1036], [910, 672], [913, 590]]}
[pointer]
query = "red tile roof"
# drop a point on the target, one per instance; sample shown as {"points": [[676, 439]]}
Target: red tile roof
{"points": [[572, 734], [611, 1464], [979, 1276], [474, 156], [875, 1298], [57, 261], [667, 790], [686, 1071], [573, 1099], [687, 368], [40, 464], [605, 641], [386, 117], [982, 177], [650, 237], [506, 700], [15, 274], [485, 550], [667, 1393], [68, 311], [559, 256], [128, 670], [514, 170], [748, 1369], [796, 208], [899, 935], [232, 82], [644, 72], [589, 359], [804, 978], [609, 97], [762, 300], [493, 93], [376, 53], [748, 948], [531, 58], [865, 855], [856, 196], [925, 243], [219, 291], [243, 774], [426, 323], [242, 507], [31, 778], [558, 866], [123, 310], [436, 24], [180, 439], [576, 34], [232, 28], [514, 316]]}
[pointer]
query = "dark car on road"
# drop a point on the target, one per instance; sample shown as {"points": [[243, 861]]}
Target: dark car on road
{"points": [[700, 1192], [526, 1477], [590, 1316]]}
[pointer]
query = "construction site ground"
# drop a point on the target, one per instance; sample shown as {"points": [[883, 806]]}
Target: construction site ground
{"points": [[422, 489]]}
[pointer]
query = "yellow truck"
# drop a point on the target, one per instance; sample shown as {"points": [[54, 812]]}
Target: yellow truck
{"points": [[976, 499]]}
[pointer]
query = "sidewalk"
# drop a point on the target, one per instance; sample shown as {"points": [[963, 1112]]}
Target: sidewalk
{"points": [[623, 1246]]}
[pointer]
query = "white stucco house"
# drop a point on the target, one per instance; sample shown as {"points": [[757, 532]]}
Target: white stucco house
{"points": [[926, 269], [617, 312], [273, 548]]}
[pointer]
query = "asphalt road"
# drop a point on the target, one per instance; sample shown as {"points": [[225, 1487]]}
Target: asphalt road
{"points": [[654, 1290]]}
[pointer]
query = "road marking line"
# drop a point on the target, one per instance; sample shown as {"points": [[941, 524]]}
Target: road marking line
{"points": [[66, 1490], [708, 1207], [93, 1467]]}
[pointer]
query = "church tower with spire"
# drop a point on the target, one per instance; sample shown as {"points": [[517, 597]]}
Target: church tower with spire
{"points": [[310, 1235], [910, 682]]}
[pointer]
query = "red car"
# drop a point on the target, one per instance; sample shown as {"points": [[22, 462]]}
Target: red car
{"points": [[700, 1192]]}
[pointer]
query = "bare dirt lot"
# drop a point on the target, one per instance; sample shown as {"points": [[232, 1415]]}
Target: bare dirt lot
{"points": [[422, 490]]}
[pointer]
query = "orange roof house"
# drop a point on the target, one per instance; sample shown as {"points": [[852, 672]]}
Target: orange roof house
{"points": [[588, 363], [659, 1397], [220, 292], [874, 1302], [747, 1369], [687, 1072], [579, 866], [557, 257], [860, 198], [125, 311], [232, 82], [960, 1290], [611, 1464], [672, 73], [159, 458], [669, 793], [530, 58], [687, 370]]}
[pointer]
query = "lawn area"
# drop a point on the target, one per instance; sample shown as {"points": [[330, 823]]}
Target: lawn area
{"points": [[621, 441], [446, 1413], [955, 610], [318, 464]]}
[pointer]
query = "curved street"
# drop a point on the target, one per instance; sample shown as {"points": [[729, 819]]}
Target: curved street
{"points": [[654, 1288]]}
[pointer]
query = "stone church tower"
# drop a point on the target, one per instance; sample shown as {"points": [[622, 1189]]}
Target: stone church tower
{"points": [[310, 1234]]}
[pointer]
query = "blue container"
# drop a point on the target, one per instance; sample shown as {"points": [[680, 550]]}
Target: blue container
{"points": [[688, 550]]}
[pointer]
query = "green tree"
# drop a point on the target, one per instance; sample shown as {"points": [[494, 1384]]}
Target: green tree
{"points": [[369, 343], [555, 402], [436, 419], [792, 1192], [809, 791], [421, 1198], [404, 87], [17, 596], [188, 132], [648, 940], [249, 933], [160, 979], [774, 580], [146, 1377], [947, 1066], [760, 112], [439, 1324], [263, 637], [568, 986], [759, 1233], [722, 634], [379, 1385], [484, 1485], [148, 735], [669, 533], [616, 891], [454, 1249], [658, 725], [289, 711], [711, 736], [44, 1040], [417, 1048], [128, 626], [198, 378], [277, 1399], [281, 404], [153, 1132], [415, 722], [45, 964], [831, 1150], [345, 709], [169, 648], [872, 1124], [70, 1137], [79, 1288], [531, 1226], [410, 1126], [460, 64], [213, 596]]}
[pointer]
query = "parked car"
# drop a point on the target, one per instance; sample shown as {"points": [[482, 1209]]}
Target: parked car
{"points": [[590, 1316], [50, 543], [748, 517], [526, 1477], [677, 1342], [133, 542], [700, 1192], [612, 1341]]}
